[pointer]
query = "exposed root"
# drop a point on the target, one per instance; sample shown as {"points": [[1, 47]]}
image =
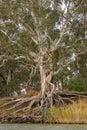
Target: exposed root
{"points": [[10, 102], [37, 105], [32, 105]]}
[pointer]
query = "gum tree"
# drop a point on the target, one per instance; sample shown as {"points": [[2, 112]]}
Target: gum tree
{"points": [[35, 31]]}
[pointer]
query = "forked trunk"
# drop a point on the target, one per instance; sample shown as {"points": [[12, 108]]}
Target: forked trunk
{"points": [[47, 88]]}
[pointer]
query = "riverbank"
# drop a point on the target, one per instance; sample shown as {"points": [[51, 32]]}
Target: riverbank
{"points": [[74, 112]]}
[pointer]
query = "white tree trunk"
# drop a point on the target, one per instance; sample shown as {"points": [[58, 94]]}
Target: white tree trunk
{"points": [[43, 78], [47, 87], [9, 76]]}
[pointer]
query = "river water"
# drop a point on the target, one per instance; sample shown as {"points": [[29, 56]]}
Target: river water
{"points": [[41, 127]]}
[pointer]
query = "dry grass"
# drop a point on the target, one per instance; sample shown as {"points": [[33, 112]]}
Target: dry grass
{"points": [[74, 113]]}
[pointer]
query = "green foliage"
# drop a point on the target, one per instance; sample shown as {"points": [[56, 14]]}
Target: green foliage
{"points": [[12, 86], [77, 85]]}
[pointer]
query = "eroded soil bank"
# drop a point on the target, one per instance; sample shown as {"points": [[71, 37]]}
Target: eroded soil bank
{"points": [[72, 109]]}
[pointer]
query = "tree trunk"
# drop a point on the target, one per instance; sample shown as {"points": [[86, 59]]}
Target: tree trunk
{"points": [[47, 88], [9, 75], [43, 78], [9, 78]]}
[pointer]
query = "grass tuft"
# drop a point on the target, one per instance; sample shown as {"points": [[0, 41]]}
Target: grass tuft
{"points": [[73, 113]]}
